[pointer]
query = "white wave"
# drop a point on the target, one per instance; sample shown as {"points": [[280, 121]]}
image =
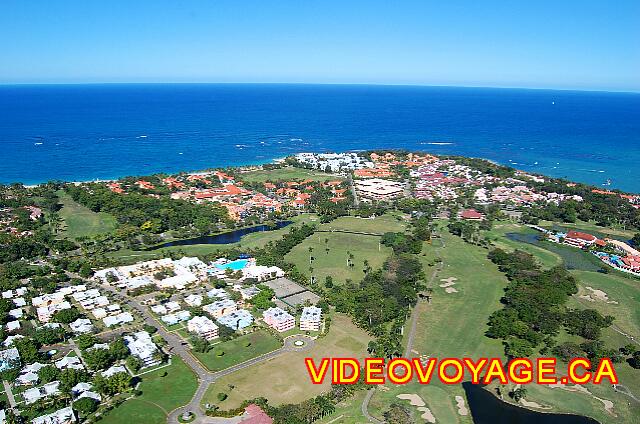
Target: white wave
{"points": [[38, 144], [295, 139], [142, 136], [437, 143]]}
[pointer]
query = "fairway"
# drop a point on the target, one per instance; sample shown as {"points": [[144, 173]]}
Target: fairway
{"points": [[160, 395], [235, 351], [452, 325], [83, 222], [287, 174], [330, 250], [285, 379]]}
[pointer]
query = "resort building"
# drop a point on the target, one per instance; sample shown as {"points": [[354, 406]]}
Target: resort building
{"points": [[81, 326], [279, 319], [311, 318], [119, 319], [142, 347], [171, 319], [379, 189], [220, 308], [471, 215], [578, 239], [35, 394], [9, 359], [61, 416], [236, 320], [203, 327], [261, 273]]}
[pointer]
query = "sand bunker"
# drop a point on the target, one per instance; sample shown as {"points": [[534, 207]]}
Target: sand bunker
{"points": [[535, 405], [599, 295], [462, 408], [608, 405], [414, 399], [447, 283], [427, 415], [417, 401]]}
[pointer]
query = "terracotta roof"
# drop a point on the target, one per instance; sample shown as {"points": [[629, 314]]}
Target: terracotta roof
{"points": [[256, 415], [580, 236]]}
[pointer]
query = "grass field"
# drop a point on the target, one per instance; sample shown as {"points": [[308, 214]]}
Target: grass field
{"points": [[82, 222], [284, 379], [334, 261], [287, 174], [236, 352], [452, 325], [160, 395]]}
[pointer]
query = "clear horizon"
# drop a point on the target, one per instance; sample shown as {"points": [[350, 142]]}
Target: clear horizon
{"points": [[316, 84], [585, 46]]}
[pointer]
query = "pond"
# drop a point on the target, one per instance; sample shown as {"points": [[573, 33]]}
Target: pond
{"points": [[488, 409], [223, 238], [572, 257]]}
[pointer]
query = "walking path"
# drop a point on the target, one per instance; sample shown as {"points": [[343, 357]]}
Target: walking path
{"points": [[410, 337]]}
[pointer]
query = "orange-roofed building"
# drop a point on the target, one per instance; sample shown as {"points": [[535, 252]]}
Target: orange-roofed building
{"points": [[224, 177], [472, 215], [115, 187], [578, 239], [198, 177], [372, 173], [172, 182], [597, 191], [333, 183], [269, 186], [146, 185], [337, 199]]}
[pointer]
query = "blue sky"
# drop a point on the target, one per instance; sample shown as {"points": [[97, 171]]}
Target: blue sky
{"points": [[541, 44]]}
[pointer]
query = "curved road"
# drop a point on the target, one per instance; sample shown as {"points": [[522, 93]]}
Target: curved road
{"points": [[205, 377]]}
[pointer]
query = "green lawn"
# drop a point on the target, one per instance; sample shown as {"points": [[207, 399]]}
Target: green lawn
{"points": [[236, 352], [287, 174], [160, 395], [334, 261], [284, 379], [81, 221]]}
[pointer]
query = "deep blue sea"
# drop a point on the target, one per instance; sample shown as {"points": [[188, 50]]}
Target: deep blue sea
{"points": [[83, 132]]}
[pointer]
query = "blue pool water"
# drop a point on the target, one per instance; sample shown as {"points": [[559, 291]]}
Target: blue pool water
{"points": [[236, 265]]}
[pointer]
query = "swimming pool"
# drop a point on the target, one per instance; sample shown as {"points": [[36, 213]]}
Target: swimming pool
{"points": [[236, 265]]}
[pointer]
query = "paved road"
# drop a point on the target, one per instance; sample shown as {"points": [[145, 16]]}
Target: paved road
{"points": [[365, 408]]}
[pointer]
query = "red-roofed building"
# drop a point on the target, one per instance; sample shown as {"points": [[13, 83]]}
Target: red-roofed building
{"points": [[472, 215], [172, 182], [631, 263], [578, 239], [269, 186], [145, 185], [224, 178], [255, 415], [115, 187]]}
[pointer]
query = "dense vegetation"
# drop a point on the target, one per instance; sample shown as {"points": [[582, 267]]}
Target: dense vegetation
{"points": [[534, 311], [136, 211]]}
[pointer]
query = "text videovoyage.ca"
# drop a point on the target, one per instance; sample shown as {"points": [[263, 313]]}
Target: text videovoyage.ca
{"points": [[457, 370]]}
